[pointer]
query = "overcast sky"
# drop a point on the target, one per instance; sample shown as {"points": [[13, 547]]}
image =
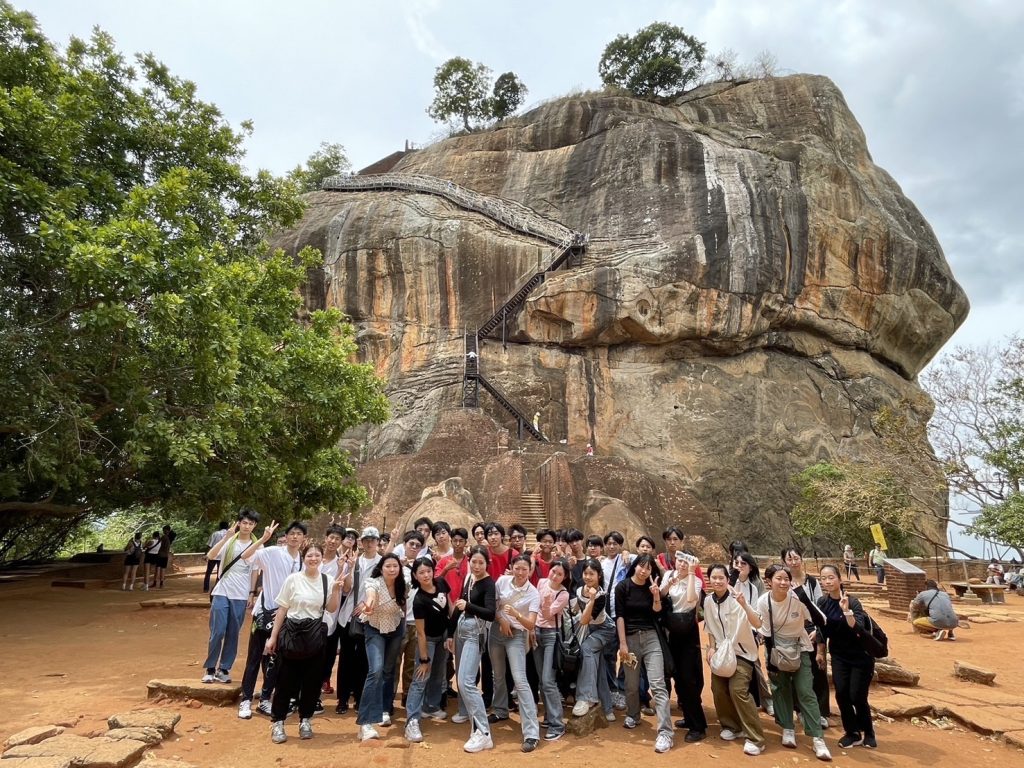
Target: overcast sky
{"points": [[937, 85]]}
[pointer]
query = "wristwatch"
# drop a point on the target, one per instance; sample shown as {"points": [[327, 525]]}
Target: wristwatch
{"points": [[424, 661]]}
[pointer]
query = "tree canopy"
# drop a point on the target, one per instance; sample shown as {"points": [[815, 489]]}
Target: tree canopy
{"points": [[149, 346], [659, 61], [463, 91], [329, 160]]}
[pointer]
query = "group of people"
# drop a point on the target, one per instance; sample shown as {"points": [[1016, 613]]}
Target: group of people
{"points": [[154, 555], [576, 619]]}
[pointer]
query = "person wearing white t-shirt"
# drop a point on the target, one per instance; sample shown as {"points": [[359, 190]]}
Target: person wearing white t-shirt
{"points": [[276, 564], [230, 594], [413, 548], [212, 565], [352, 664]]}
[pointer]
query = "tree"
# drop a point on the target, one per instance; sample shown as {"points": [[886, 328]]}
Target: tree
{"points": [[507, 96], [658, 62], [461, 92], [149, 348], [329, 160]]}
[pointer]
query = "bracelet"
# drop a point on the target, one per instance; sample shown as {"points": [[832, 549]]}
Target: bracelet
{"points": [[847, 613], [424, 661]]}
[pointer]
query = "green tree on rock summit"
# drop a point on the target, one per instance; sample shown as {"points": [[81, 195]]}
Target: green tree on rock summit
{"points": [[463, 92], [658, 62]]}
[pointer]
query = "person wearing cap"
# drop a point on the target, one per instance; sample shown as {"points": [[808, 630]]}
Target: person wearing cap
{"points": [[850, 562], [352, 664]]}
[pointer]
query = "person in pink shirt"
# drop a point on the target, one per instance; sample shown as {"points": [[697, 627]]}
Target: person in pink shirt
{"points": [[553, 598]]}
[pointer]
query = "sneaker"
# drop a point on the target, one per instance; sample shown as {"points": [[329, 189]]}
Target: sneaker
{"points": [[245, 710], [752, 749], [630, 723], [649, 711], [436, 714], [327, 689], [663, 743], [367, 732], [609, 716], [264, 707], [823, 722], [727, 735], [950, 635], [820, 750], [869, 742], [341, 708], [385, 720], [692, 737], [209, 677], [619, 701], [413, 732], [850, 740], [529, 745], [277, 734], [478, 742], [789, 738], [223, 676], [305, 728], [460, 718], [553, 735], [769, 707], [580, 708], [318, 708], [493, 718]]}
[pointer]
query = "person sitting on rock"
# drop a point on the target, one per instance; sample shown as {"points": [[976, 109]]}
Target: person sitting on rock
{"points": [[931, 612]]}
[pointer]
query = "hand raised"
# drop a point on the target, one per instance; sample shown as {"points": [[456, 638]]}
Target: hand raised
{"points": [[269, 530]]}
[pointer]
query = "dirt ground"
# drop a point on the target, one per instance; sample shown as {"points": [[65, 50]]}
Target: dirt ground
{"points": [[82, 655]]}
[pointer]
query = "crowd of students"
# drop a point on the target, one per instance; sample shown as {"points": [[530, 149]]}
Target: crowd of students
{"points": [[576, 619]]}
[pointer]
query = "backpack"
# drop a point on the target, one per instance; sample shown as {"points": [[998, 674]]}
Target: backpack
{"points": [[567, 646], [874, 641]]}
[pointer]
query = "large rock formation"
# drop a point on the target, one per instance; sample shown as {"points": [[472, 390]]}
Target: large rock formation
{"points": [[753, 290]]}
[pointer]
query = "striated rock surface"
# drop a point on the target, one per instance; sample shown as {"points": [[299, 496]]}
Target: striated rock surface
{"points": [[753, 290]]}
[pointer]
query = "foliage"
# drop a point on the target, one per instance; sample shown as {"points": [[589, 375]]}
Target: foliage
{"points": [[461, 92], [659, 61], [329, 160], [1002, 522], [149, 349]]}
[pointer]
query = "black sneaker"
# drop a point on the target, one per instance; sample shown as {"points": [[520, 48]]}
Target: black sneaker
{"points": [[493, 718], [341, 708], [681, 724], [553, 735], [850, 740], [319, 708], [869, 742], [530, 744], [694, 736]]}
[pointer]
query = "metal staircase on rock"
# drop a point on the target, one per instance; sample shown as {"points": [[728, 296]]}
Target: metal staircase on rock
{"points": [[569, 247]]}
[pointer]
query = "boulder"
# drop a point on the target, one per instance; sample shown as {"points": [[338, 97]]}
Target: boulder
{"points": [[33, 735], [50, 761], [81, 752], [160, 719], [890, 672], [902, 707], [975, 674], [146, 735], [183, 689], [586, 725]]}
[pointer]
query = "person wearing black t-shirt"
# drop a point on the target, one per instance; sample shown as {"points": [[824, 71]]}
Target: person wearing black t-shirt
{"points": [[430, 609]]}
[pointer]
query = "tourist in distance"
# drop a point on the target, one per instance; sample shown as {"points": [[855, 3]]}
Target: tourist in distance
{"points": [[684, 592], [995, 572], [151, 558], [132, 559], [431, 611], [850, 564], [931, 612], [553, 598], [877, 558]]}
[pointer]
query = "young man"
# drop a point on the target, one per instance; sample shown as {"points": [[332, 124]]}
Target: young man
{"points": [[231, 593], [543, 556], [442, 533], [454, 567], [422, 525], [517, 538], [352, 665], [211, 565], [614, 564], [877, 558], [501, 553], [577, 556], [276, 563], [333, 563], [932, 612]]}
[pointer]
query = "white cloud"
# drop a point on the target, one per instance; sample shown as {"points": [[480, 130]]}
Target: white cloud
{"points": [[417, 13]]}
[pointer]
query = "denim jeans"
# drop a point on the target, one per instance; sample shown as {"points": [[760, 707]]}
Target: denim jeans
{"points": [[379, 689], [647, 647], [469, 640], [225, 625], [592, 682], [512, 650], [428, 690], [544, 658]]}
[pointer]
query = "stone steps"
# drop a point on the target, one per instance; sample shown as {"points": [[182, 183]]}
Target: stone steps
{"points": [[532, 515]]}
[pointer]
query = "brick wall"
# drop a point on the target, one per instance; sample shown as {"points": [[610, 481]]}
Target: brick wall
{"points": [[902, 587]]}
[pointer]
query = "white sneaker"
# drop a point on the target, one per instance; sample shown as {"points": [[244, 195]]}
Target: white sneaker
{"points": [[823, 722], [581, 707], [609, 716], [458, 718], [209, 677], [413, 732], [619, 701], [821, 751], [437, 714], [789, 738], [277, 734], [478, 742], [367, 732], [385, 720], [245, 710], [727, 735], [769, 707], [663, 743], [264, 707], [222, 676], [752, 749]]}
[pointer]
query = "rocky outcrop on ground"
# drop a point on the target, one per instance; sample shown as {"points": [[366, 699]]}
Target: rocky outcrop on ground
{"points": [[754, 289]]}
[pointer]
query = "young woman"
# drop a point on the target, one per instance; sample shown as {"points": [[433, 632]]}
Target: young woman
{"points": [[384, 614], [746, 577], [302, 596], [638, 601], [728, 619], [852, 666], [151, 558], [474, 611], [681, 587], [592, 681], [518, 603], [430, 609], [794, 560], [132, 559], [553, 599], [784, 619]]}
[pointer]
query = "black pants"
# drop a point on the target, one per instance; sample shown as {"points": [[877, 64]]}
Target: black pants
{"points": [[254, 660], [331, 653], [352, 666], [211, 566], [688, 677], [819, 680], [297, 678], [852, 684]]}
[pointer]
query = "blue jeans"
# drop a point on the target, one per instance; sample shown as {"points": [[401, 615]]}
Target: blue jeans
{"points": [[225, 625], [430, 688], [544, 658], [381, 657], [513, 651], [469, 641], [592, 682]]}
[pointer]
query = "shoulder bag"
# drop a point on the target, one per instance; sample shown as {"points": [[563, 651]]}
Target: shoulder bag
{"points": [[785, 654], [305, 638]]}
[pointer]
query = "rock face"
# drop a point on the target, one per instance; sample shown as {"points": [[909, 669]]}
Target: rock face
{"points": [[753, 290]]}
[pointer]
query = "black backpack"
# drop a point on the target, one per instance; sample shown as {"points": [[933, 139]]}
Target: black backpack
{"points": [[874, 641], [567, 646]]}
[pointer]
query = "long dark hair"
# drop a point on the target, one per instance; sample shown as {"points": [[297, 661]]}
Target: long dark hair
{"points": [[400, 585], [593, 564], [420, 562], [650, 560], [755, 572]]}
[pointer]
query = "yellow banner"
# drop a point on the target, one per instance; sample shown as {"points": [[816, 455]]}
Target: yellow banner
{"points": [[878, 536]]}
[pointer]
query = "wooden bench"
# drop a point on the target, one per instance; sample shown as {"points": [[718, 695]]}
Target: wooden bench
{"points": [[988, 593]]}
